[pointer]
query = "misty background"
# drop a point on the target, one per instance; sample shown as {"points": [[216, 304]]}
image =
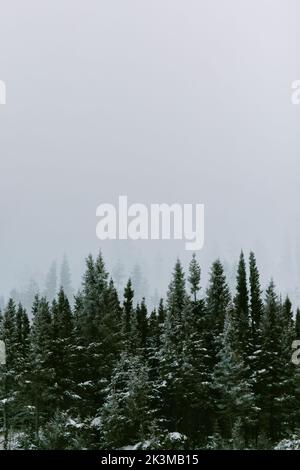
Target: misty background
{"points": [[162, 101]]}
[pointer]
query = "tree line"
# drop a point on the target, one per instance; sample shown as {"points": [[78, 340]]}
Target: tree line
{"points": [[205, 370]]}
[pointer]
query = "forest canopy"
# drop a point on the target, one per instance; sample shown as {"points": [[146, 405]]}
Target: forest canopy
{"points": [[206, 369]]}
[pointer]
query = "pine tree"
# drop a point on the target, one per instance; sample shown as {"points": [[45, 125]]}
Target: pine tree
{"points": [[126, 415], [288, 378], [22, 366], [194, 277], [62, 344], [241, 310], [154, 333], [256, 303], [176, 298], [9, 372], [128, 307], [154, 351], [217, 305], [161, 313], [41, 380], [236, 399], [176, 292], [197, 401], [170, 385], [111, 331], [255, 359], [271, 375], [142, 324], [91, 335]]}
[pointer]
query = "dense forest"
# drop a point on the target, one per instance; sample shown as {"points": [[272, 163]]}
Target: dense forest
{"points": [[205, 370]]}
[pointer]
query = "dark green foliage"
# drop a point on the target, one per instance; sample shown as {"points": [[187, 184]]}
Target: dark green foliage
{"points": [[278, 394], [126, 415], [128, 307], [194, 277], [217, 303], [241, 310], [198, 372]]}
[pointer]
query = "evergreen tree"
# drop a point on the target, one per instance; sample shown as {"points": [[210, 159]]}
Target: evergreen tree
{"points": [[170, 386], [241, 310], [197, 406], [236, 401], [9, 371], [41, 379], [255, 359], [196, 373], [22, 415], [288, 378], [128, 307], [111, 331], [256, 303], [62, 344], [126, 415], [142, 324], [161, 313], [92, 337], [194, 276], [217, 304], [272, 403], [176, 298]]}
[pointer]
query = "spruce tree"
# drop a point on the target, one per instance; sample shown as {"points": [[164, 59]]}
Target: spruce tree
{"points": [[62, 344], [170, 387], [126, 416], [288, 377], [217, 304], [142, 324], [271, 375], [194, 277], [22, 367], [176, 298], [241, 310], [255, 359], [128, 308], [235, 400], [197, 402], [92, 335], [41, 377], [9, 371]]}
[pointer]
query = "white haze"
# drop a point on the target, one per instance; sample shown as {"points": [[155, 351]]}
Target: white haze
{"points": [[160, 100]]}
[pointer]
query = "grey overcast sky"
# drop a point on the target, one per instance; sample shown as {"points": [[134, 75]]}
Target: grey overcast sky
{"points": [[161, 100]]}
